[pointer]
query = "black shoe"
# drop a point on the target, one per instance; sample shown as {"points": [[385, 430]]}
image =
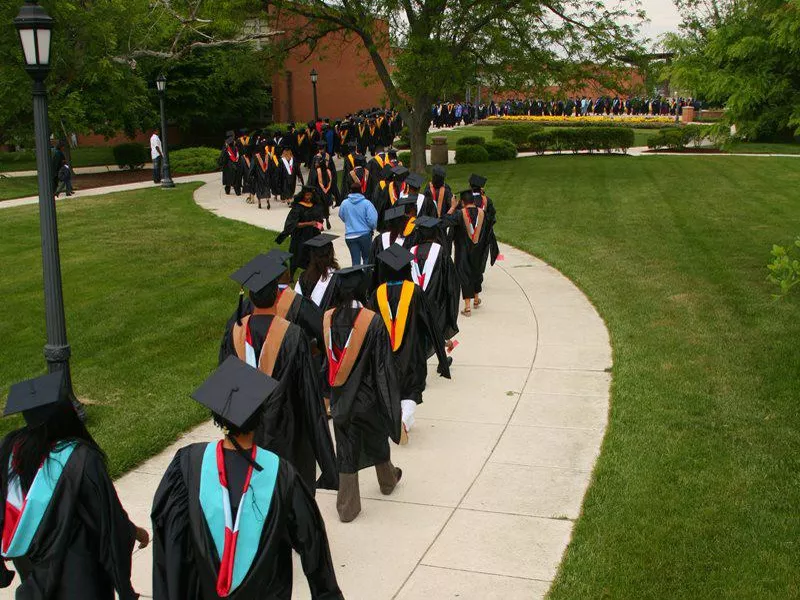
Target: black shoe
{"points": [[327, 224], [449, 363], [228, 190]]}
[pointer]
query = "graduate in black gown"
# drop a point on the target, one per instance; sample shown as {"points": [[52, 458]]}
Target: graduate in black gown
{"points": [[294, 424], [230, 163], [394, 224], [288, 172], [471, 239], [432, 269], [62, 523], [228, 514], [261, 174], [316, 282], [365, 399], [393, 191], [439, 200], [481, 200], [413, 332], [303, 222]]}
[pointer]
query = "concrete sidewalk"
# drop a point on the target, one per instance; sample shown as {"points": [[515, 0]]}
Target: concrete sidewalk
{"points": [[76, 171], [498, 462]]}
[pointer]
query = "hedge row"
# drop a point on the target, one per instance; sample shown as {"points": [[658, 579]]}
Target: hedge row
{"points": [[471, 140], [191, 161], [486, 151], [679, 138], [516, 133], [471, 154], [583, 139], [131, 156]]}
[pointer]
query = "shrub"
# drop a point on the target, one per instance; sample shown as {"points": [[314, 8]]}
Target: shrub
{"points": [[501, 150], [132, 155], [672, 139], [784, 270], [471, 140], [194, 160], [697, 134], [517, 133], [585, 138], [540, 141], [404, 157], [471, 154], [403, 140]]}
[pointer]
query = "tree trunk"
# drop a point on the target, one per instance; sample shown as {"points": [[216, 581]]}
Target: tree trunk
{"points": [[418, 123]]}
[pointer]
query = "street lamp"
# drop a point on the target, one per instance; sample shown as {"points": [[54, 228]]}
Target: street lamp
{"points": [[35, 27], [314, 85], [166, 178]]}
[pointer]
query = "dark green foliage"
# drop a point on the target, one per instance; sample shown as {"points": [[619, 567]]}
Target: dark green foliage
{"points": [[591, 139], [501, 150], [131, 156], [404, 157], [471, 154], [403, 141], [671, 139], [517, 133], [471, 140], [190, 161]]}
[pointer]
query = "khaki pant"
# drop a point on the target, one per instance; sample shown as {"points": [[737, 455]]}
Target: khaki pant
{"points": [[348, 500]]}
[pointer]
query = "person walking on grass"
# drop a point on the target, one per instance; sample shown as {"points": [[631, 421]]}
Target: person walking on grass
{"points": [[64, 180], [156, 154], [360, 220]]}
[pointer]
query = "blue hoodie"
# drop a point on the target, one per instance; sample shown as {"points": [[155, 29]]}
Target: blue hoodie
{"points": [[359, 216]]}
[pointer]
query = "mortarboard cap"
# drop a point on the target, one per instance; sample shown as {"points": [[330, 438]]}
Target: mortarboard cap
{"points": [[394, 213], [439, 170], [235, 391], [279, 256], [386, 172], [426, 222], [465, 195], [415, 180], [400, 171], [477, 180], [396, 257], [405, 201], [321, 240], [352, 278], [259, 273], [36, 398]]}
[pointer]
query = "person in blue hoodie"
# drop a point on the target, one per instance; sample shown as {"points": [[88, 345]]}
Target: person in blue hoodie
{"points": [[360, 220]]}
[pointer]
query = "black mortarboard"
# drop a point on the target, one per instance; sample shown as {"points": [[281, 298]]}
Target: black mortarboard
{"points": [[258, 273], [392, 152], [400, 171], [439, 170], [415, 180], [279, 256], [386, 172], [394, 213], [351, 278], [465, 195], [36, 398], [235, 391], [405, 201], [426, 222], [477, 180], [396, 257], [321, 240]]}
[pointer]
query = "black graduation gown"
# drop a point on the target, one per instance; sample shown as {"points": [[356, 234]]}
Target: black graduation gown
{"points": [[83, 546], [366, 409], [307, 288], [246, 167], [294, 425], [441, 288], [300, 213], [380, 243], [492, 249], [286, 181], [430, 207], [349, 165], [231, 170], [421, 340], [185, 560], [334, 193], [261, 175], [470, 257]]}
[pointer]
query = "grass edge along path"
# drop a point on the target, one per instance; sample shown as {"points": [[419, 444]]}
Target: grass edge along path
{"points": [[694, 494], [146, 294]]}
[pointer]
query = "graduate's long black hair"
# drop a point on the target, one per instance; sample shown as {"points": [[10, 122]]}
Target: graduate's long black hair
{"points": [[320, 260], [30, 445]]}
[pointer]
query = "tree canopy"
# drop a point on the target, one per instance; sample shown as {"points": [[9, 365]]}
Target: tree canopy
{"points": [[743, 55]]}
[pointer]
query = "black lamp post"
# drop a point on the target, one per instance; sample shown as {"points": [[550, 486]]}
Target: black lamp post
{"points": [[35, 27], [314, 85], [166, 177]]}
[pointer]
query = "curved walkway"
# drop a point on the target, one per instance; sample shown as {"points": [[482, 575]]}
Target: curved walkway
{"points": [[499, 459]]}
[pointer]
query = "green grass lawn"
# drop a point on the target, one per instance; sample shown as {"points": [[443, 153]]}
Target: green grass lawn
{"points": [[764, 148], [697, 489], [88, 156], [17, 187], [147, 294]]}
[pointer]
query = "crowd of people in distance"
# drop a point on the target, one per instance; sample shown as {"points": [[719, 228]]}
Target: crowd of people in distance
{"points": [[308, 342], [451, 114]]}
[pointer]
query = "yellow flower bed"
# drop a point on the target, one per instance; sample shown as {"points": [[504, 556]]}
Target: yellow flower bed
{"points": [[545, 120]]}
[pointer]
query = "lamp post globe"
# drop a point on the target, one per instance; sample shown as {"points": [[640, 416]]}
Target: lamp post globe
{"points": [[314, 76], [166, 176], [34, 27]]}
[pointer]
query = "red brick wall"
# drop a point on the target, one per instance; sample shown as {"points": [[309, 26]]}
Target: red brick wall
{"points": [[143, 137], [347, 78]]}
